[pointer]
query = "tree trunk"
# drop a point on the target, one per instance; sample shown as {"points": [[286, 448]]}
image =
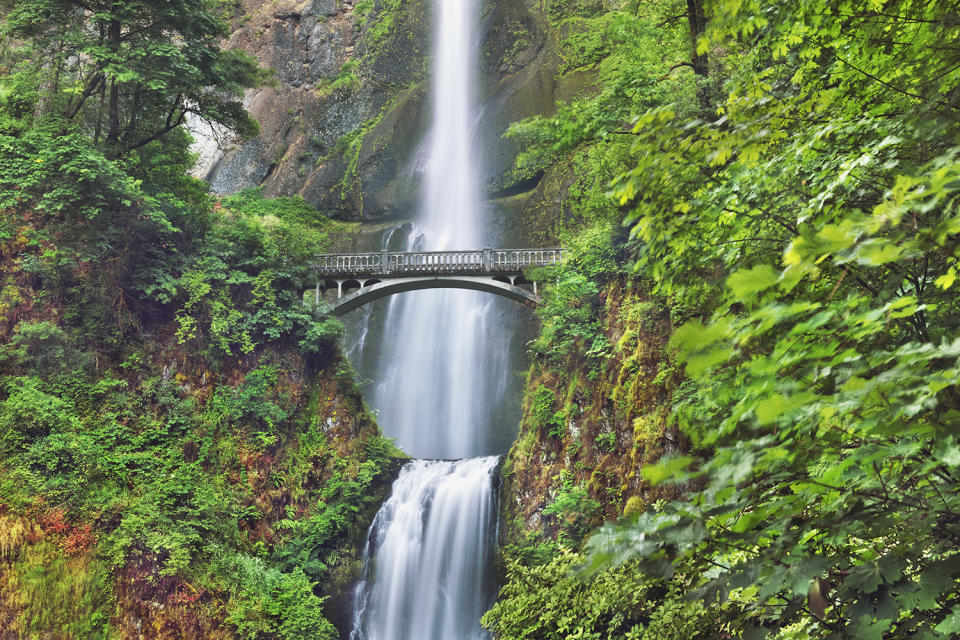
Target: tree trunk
{"points": [[113, 108], [698, 25]]}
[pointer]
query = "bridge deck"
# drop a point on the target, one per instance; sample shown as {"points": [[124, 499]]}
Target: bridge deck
{"points": [[406, 263]]}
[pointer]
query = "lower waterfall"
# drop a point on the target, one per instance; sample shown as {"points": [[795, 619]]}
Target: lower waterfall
{"points": [[429, 553]]}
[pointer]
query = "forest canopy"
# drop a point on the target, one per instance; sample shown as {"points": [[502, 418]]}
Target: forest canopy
{"points": [[792, 197]]}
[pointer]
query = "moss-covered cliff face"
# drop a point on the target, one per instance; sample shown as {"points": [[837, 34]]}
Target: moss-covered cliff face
{"points": [[590, 424], [226, 522], [157, 481], [341, 123]]}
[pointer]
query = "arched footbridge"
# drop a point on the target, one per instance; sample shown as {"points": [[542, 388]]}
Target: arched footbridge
{"points": [[359, 278]]}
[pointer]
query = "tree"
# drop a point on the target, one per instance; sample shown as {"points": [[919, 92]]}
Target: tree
{"points": [[132, 71], [822, 208]]}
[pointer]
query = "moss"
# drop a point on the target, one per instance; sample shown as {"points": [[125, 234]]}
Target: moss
{"points": [[361, 11], [616, 421], [352, 144], [10, 299], [634, 506], [384, 25], [54, 593], [559, 10], [393, 40], [583, 42], [345, 81]]}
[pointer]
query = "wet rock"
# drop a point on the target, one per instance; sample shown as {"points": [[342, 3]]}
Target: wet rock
{"points": [[324, 8], [343, 120], [243, 168]]}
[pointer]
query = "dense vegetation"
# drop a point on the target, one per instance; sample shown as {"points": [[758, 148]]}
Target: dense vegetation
{"points": [[181, 448], [750, 355], [788, 188]]}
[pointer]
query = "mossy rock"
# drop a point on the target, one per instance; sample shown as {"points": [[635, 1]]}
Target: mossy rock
{"points": [[396, 40], [634, 506]]}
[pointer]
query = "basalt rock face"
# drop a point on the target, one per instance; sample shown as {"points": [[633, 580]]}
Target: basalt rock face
{"points": [[589, 428], [340, 121], [349, 107]]}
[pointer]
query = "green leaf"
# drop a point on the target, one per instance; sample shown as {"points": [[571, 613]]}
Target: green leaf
{"points": [[699, 364], [877, 252], [776, 405], [693, 336], [950, 626], [666, 469], [745, 284]]}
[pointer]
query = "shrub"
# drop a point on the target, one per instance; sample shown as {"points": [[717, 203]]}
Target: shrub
{"points": [[573, 508], [29, 413]]}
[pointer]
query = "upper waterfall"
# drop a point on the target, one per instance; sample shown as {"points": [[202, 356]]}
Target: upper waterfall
{"points": [[440, 379], [450, 217]]}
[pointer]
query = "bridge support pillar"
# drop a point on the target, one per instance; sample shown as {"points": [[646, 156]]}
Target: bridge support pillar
{"points": [[487, 259]]}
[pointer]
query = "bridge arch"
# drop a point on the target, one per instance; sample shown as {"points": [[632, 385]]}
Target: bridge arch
{"points": [[392, 286]]}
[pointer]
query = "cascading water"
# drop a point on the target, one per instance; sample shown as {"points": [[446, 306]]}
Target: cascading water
{"points": [[441, 376], [437, 349], [431, 541]]}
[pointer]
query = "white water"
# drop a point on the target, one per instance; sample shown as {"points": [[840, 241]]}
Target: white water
{"points": [[431, 541], [442, 374], [436, 390]]}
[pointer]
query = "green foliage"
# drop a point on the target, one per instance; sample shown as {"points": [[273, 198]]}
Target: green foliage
{"points": [[154, 63], [270, 601], [110, 251], [811, 229], [561, 9], [541, 407], [29, 413], [255, 404], [244, 286], [173, 519], [543, 598], [41, 349], [606, 441], [312, 543], [570, 313], [803, 230], [633, 60], [93, 154], [322, 337], [573, 509], [85, 200], [290, 209], [119, 457], [586, 42]]}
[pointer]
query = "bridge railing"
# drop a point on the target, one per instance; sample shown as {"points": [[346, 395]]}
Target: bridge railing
{"points": [[397, 263]]}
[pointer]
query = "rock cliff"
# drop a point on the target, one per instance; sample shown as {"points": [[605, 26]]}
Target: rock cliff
{"points": [[349, 105]]}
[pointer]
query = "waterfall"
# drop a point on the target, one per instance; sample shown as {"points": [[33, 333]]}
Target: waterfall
{"points": [[431, 544], [441, 378], [436, 389]]}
